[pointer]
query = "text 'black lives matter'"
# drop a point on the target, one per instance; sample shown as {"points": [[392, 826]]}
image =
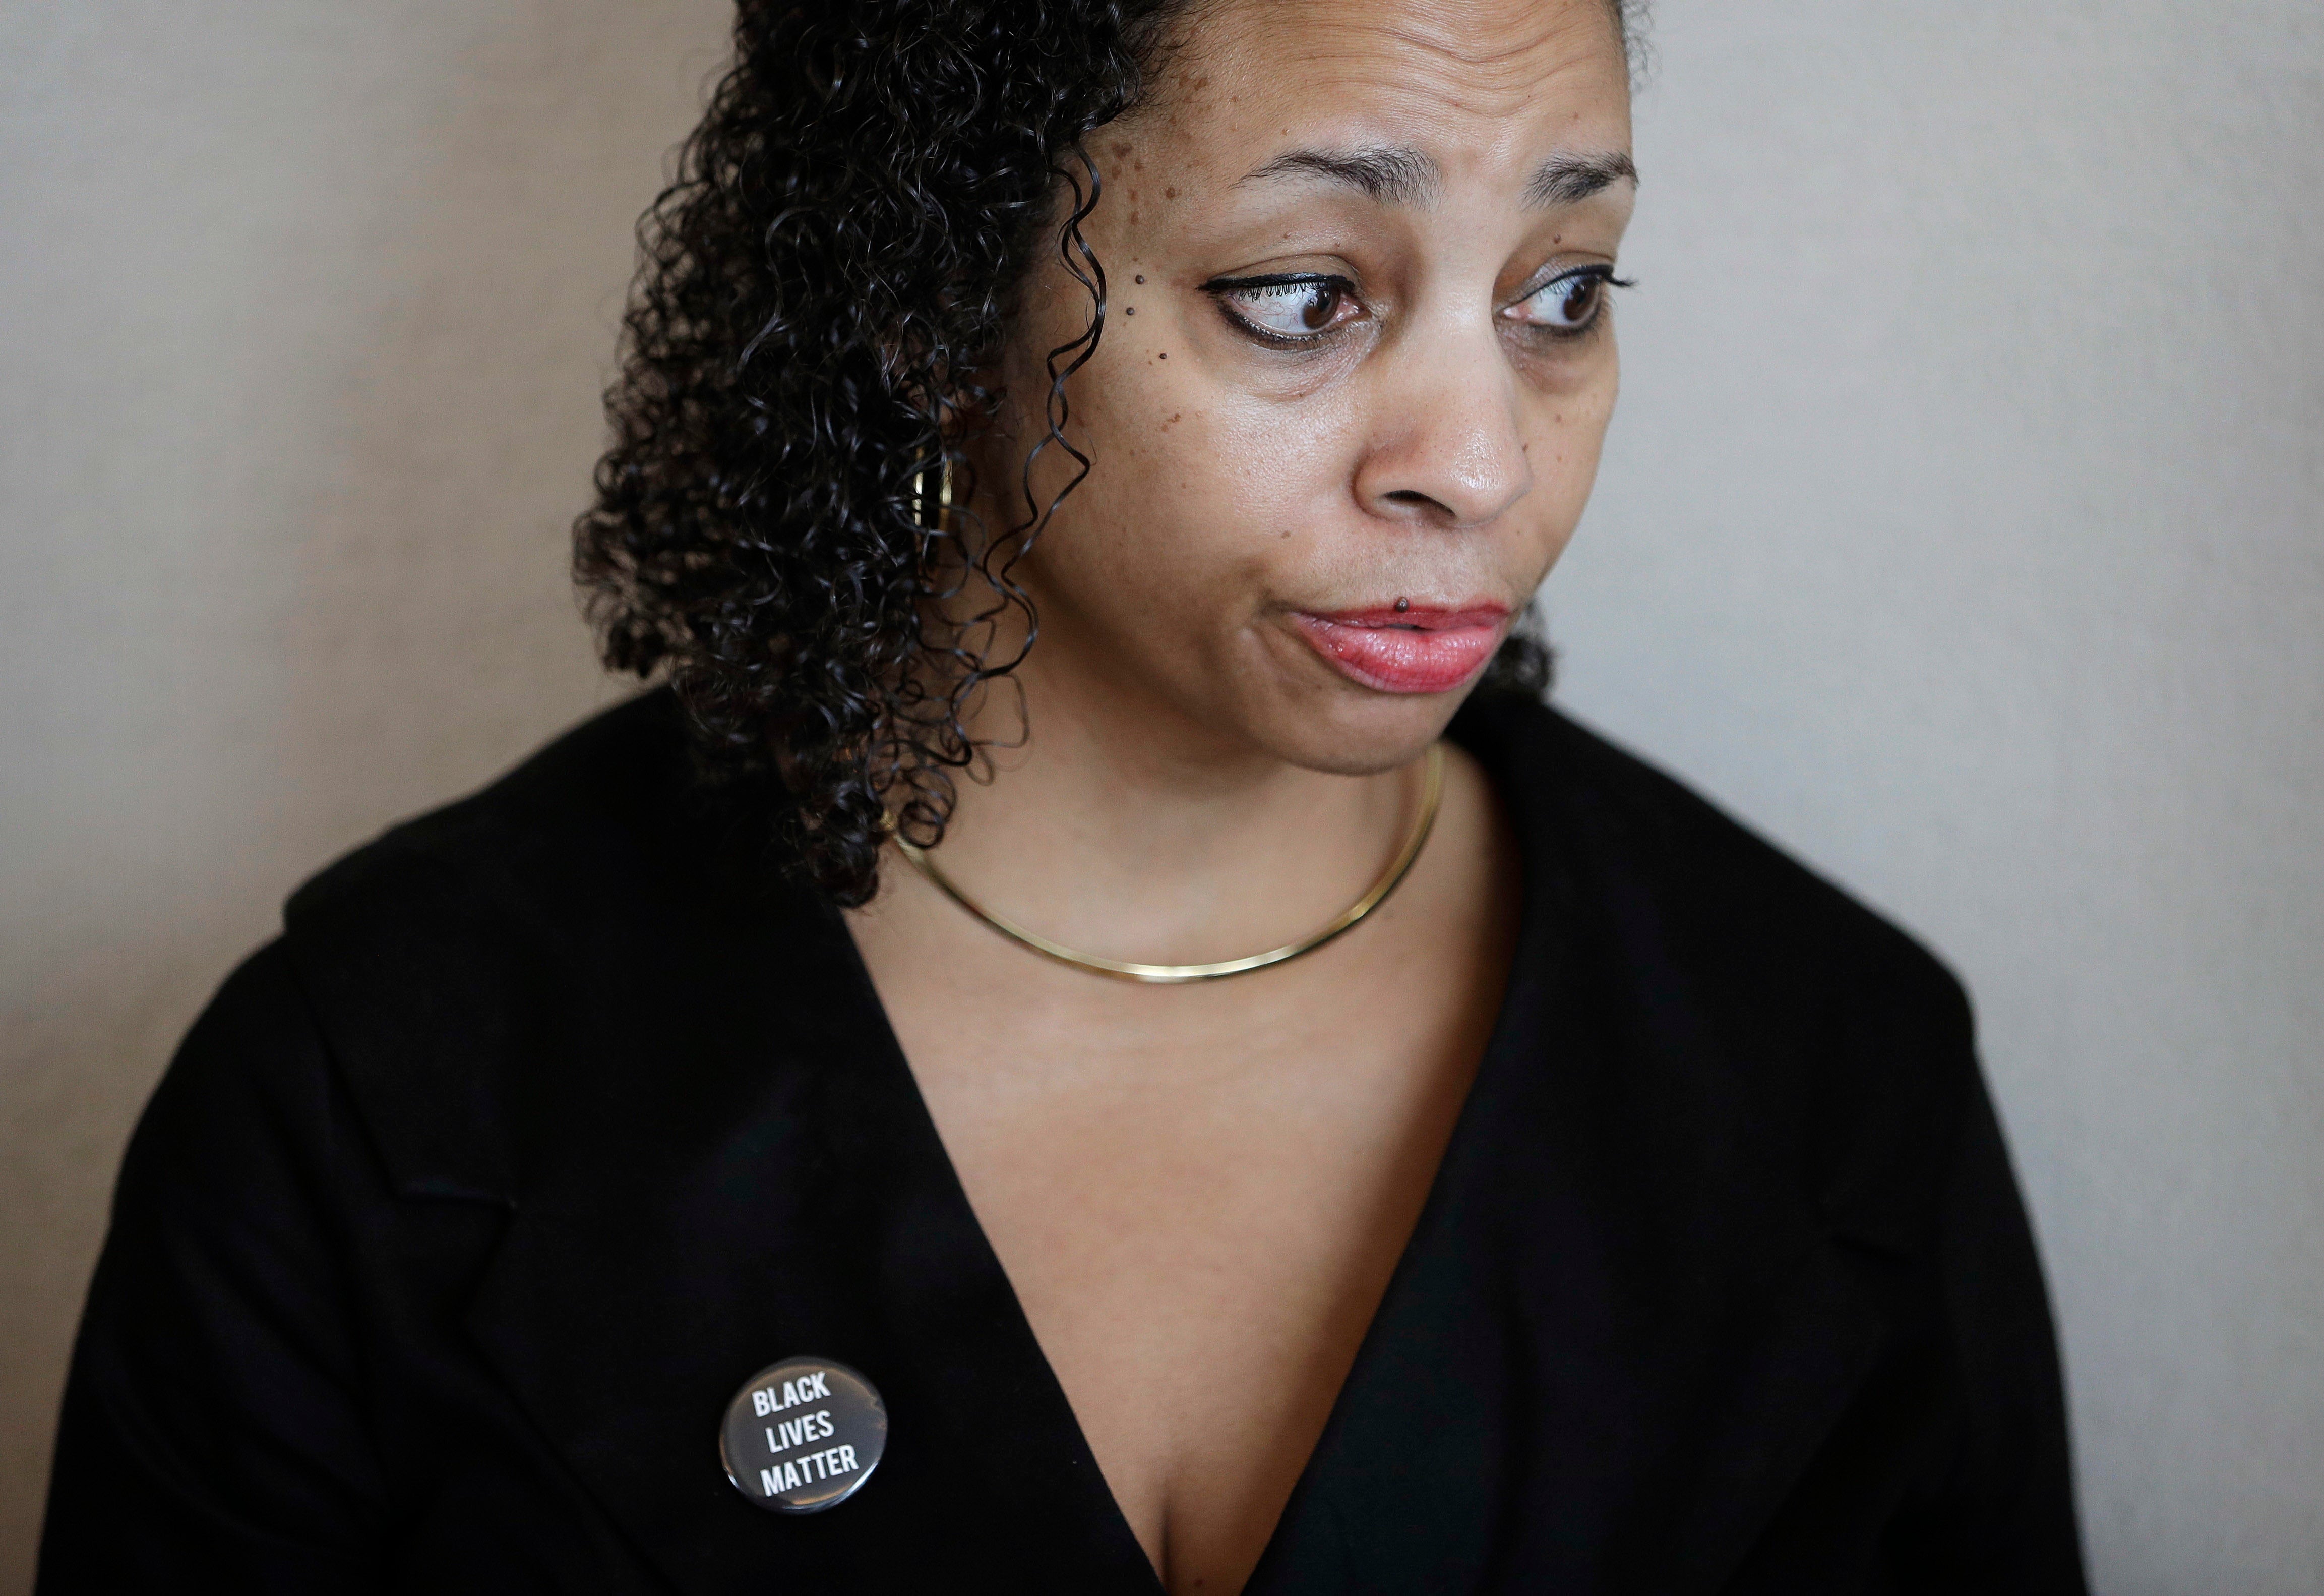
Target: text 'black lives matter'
{"points": [[803, 1434]]}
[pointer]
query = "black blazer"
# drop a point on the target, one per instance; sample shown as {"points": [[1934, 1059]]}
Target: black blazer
{"points": [[555, 1115]]}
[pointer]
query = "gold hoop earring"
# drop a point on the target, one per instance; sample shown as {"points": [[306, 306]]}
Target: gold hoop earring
{"points": [[942, 519]]}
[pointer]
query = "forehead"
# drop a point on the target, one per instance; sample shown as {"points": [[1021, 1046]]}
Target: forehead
{"points": [[1473, 81]]}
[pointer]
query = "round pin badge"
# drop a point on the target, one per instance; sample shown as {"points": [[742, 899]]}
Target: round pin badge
{"points": [[803, 1435]]}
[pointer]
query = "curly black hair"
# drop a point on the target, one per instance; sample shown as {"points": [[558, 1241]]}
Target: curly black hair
{"points": [[832, 263]]}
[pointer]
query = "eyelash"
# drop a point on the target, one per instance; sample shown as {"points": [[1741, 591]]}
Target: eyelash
{"points": [[1602, 276], [1223, 288]]}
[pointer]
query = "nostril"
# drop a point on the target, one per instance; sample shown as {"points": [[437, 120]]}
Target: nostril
{"points": [[1423, 507]]}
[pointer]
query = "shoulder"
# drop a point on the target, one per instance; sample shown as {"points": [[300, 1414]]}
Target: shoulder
{"points": [[477, 970], [600, 801], [1843, 1039], [1633, 830]]}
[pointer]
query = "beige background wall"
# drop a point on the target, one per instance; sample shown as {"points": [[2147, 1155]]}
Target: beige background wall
{"points": [[1963, 527], [304, 308]]}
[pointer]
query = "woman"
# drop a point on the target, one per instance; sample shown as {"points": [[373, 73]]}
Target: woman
{"points": [[1300, 1116]]}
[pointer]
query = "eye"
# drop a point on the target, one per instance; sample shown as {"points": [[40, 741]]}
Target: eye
{"points": [[1567, 304], [1288, 310]]}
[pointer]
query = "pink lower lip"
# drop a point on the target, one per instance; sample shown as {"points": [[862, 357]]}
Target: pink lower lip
{"points": [[1407, 651]]}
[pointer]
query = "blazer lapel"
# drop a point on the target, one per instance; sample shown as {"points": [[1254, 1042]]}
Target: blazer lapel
{"points": [[586, 998], [760, 1180], [1620, 1331]]}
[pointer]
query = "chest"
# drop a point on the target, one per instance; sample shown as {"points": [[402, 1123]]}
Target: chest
{"points": [[1199, 1195], [1190, 1207]]}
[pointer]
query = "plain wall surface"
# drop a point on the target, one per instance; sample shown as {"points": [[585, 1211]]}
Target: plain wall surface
{"points": [[1962, 528], [307, 306]]}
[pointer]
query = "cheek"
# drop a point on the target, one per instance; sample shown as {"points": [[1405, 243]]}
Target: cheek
{"points": [[1206, 505], [1564, 447], [1199, 499]]}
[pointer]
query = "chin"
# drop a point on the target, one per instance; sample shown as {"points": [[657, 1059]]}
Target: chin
{"points": [[1354, 731]]}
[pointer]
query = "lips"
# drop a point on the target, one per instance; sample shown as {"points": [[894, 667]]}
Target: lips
{"points": [[1409, 650]]}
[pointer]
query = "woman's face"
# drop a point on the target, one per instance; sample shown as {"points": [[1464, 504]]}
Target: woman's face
{"points": [[1355, 373]]}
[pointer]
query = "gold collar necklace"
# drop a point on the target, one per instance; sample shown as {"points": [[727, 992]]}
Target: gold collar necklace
{"points": [[1431, 789]]}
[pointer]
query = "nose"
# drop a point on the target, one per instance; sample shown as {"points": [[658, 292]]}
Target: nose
{"points": [[1448, 449]]}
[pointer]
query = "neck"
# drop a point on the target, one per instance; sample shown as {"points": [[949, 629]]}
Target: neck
{"points": [[1121, 828]]}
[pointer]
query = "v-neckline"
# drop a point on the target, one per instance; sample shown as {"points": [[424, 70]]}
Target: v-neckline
{"points": [[1531, 958]]}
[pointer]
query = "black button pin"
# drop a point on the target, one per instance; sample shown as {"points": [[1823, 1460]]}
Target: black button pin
{"points": [[803, 1435]]}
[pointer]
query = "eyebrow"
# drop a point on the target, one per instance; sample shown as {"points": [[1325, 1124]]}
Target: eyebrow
{"points": [[1385, 174], [1569, 180], [1393, 175]]}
